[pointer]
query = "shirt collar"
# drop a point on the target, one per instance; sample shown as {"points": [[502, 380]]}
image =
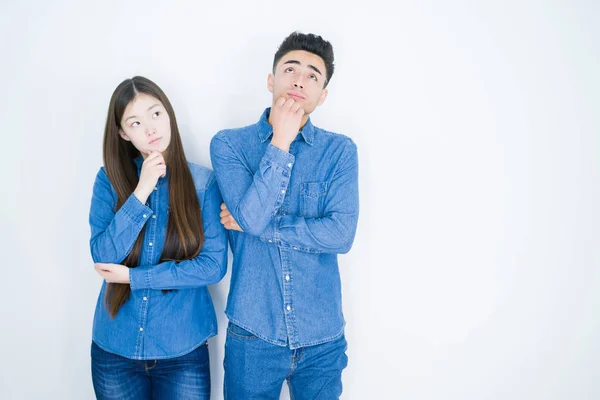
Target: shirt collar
{"points": [[265, 130]]}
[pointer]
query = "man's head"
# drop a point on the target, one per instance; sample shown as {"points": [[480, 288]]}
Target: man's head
{"points": [[302, 68], [310, 43]]}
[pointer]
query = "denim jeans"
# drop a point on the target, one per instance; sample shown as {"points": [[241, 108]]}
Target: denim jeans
{"points": [[184, 377], [255, 369]]}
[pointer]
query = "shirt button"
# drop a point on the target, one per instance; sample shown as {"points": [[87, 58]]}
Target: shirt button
{"points": [[287, 277], [145, 298], [155, 188], [141, 329], [283, 192], [290, 165], [150, 244], [295, 248], [270, 241], [288, 308], [154, 216], [145, 216]]}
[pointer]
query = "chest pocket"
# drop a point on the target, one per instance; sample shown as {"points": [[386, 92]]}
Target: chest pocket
{"points": [[312, 199]]}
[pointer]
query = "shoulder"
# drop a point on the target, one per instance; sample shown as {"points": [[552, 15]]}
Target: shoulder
{"points": [[102, 180], [103, 188], [234, 135]]}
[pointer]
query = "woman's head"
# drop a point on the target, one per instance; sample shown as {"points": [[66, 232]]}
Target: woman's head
{"points": [[140, 119], [146, 124]]}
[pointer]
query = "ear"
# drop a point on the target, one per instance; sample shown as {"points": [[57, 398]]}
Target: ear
{"points": [[270, 82], [323, 97], [124, 135]]}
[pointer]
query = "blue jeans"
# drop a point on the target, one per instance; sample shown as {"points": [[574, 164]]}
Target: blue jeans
{"points": [[255, 369], [185, 377]]}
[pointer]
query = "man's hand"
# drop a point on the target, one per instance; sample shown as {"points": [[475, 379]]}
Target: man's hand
{"points": [[227, 219], [285, 117], [113, 273]]}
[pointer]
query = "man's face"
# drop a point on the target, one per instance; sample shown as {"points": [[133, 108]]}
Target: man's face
{"points": [[301, 76]]}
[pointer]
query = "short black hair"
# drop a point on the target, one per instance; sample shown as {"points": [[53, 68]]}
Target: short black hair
{"points": [[308, 42]]}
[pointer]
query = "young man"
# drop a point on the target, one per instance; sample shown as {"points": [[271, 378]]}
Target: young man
{"points": [[291, 206]]}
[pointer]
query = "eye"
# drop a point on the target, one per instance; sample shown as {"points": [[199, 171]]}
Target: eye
{"points": [[313, 77], [134, 124], [289, 69], [156, 114]]}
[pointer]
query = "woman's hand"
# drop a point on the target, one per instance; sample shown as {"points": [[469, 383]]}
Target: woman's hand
{"points": [[153, 168], [113, 273]]}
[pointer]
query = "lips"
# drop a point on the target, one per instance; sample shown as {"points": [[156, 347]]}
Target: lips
{"points": [[153, 141], [296, 96]]}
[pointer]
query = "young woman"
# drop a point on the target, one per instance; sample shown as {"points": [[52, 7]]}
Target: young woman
{"points": [[158, 242]]}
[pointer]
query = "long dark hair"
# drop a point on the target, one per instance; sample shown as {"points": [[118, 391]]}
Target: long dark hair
{"points": [[184, 228]]}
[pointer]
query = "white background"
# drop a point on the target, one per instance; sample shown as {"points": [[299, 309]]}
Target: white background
{"points": [[475, 270]]}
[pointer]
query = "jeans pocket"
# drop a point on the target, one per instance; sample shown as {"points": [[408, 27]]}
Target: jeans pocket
{"points": [[237, 332]]}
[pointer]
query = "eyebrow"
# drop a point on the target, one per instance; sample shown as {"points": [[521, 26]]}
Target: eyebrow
{"points": [[299, 63], [149, 108]]}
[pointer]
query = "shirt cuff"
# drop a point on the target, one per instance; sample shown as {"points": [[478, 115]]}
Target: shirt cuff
{"points": [[281, 160], [270, 232], [139, 278], [137, 212]]}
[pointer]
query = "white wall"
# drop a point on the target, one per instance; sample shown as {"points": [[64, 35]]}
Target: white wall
{"points": [[475, 270]]}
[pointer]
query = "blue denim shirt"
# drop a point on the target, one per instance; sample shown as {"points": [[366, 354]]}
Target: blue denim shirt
{"points": [[298, 210], [153, 324]]}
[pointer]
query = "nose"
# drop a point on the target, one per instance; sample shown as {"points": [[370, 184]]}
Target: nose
{"points": [[299, 82], [150, 130]]}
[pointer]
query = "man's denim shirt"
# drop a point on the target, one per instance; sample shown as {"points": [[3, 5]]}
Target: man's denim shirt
{"points": [[298, 211], [153, 324]]}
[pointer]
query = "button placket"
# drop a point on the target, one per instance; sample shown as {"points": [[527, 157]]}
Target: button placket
{"points": [[288, 301], [150, 239]]}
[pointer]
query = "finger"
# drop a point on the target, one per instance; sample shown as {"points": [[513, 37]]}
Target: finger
{"points": [[159, 169], [151, 156], [102, 266], [223, 206], [103, 274], [288, 104], [295, 107], [158, 160], [300, 111], [280, 102]]}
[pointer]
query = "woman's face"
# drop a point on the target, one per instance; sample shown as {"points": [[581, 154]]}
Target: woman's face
{"points": [[146, 124]]}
